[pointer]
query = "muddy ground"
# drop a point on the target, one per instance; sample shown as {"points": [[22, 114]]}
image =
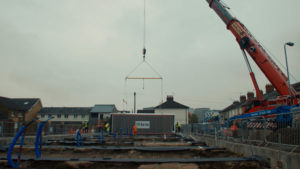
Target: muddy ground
{"points": [[73, 152], [93, 153], [133, 154], [97, 165]]}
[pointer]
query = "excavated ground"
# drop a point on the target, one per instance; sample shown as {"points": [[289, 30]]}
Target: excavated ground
{"points": [[135, 154], [97, 165], [73, 152]]}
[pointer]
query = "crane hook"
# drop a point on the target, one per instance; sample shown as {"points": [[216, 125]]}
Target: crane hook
{"points": [[144, 53]]}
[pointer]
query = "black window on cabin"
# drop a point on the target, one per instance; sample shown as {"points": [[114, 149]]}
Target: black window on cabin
{"points": [[59, 116], [66, 116], [75, 116], [42, 116], [101, 116], [82, 116]]}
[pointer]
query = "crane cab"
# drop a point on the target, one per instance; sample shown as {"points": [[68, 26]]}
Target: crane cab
{"points": [[252, 106]]}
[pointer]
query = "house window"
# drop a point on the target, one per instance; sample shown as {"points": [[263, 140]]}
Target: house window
{"points": [[49, 115], [101, 116], [12, 114], [42, 116], [59, 116], [20, 114], [82, 116], [66, 116], [75, 116]]}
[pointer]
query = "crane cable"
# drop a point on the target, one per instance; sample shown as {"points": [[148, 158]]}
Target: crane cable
{"points": [[144, 61], [144, 33]]}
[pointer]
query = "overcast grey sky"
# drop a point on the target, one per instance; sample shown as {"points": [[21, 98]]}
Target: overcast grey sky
{"points": [[78, 52]]}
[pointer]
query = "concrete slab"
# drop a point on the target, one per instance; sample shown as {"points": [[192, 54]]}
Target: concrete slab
{"points": [[274, 157]]}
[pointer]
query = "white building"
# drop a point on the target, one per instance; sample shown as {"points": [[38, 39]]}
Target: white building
{"points": [[65, 114], [65, 119], [171, 107]]}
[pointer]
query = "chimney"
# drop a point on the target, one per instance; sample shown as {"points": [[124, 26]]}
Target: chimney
{"points": [[170, 98], [269, 88], [250, 95], [243, 98]]}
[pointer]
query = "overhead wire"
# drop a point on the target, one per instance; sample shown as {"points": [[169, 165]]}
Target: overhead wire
{"points": [[277, 60]]}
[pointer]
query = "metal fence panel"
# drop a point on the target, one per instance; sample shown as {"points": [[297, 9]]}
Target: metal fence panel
{"points": [[280, 129]]}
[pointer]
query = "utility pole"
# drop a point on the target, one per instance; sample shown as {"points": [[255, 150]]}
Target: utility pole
{"points": [[287, 69], [134, 109]]}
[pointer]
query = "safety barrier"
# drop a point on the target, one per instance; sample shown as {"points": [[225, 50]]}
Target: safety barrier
{"points": [[278, 129]]}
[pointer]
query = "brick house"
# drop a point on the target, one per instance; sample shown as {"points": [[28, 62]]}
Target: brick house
{"points": [[16, 111]]}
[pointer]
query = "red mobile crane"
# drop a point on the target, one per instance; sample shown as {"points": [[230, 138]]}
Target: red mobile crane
{"points": [[249, 44]]}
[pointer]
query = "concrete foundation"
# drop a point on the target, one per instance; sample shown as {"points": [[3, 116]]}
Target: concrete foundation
{"points": [[276, 158]]}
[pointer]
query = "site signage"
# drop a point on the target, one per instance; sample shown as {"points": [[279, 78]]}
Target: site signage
{"points": [[142, 124]]}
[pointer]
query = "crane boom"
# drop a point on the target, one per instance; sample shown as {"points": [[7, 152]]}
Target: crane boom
{"points": [[247, 42]]}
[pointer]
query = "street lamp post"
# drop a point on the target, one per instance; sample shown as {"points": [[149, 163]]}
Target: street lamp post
{"points": [[287, 67]]}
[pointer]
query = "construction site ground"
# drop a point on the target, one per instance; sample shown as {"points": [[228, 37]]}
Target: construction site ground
{"points": [[129, 153]]}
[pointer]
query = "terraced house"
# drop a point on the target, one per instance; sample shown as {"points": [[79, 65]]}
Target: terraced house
{"points": [[64, 119]]}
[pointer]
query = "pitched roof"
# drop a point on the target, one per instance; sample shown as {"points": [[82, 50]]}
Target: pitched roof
{"points": [[25, 103], [6, 102], [145, 111], [104, 108], [171, 104], [19, 104], [272, 95], [65, 110], [234, 105]]}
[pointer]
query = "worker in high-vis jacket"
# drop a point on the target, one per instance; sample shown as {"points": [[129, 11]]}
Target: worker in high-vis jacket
{"points": [[234, 130], [85, 127], [134, 130], [107, 128], [178, 127]]}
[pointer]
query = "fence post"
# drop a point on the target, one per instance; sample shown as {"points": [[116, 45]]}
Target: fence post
{"points": [[216, 136], [243, 130], [265, 130], [1, 129], [279, 141]]}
